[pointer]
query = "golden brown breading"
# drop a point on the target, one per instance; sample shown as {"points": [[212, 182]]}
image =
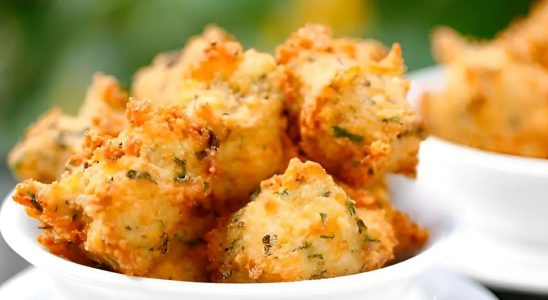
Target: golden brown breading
{"points": [[492, 99], [48, 143], [410, 236], [353, 115], [183, 261], [237, 94], [299, 225], [135, 192]]}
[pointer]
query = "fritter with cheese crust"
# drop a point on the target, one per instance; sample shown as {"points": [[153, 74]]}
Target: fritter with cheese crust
{"points": [[353, 116], [134, 193], [237, 94], [299, 225], [48, 144]]}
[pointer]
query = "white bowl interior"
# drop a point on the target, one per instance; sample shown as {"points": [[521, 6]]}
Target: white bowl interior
{"points": [[20, 233]]}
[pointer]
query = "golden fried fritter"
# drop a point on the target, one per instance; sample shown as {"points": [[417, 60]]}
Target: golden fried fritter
{"points": [[492, 99], [48, 144], [353, 116], [134, 193], [299, 225], [237, 94]]}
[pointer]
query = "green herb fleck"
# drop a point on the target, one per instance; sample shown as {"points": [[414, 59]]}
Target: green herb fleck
{"points": [[326, 194], [255, 194], [131, 174], [341, 132], [182, 175], [319, 275], [370, 239], [323, 217], [316, 255], [144, 175], [391, 120], [361, 225], [305, 245], [268, 241], [327, 236], [34, 202], [231, 246], [282, 193], [350, 206]]}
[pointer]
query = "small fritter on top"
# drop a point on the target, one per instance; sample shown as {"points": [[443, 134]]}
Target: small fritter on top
{"points": [[133, 194], [48, 144], [492, 99], [299, 225], [353, 116], [237, 94]]}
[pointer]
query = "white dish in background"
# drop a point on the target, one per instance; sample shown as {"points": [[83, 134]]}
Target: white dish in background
{"points": [[500, 200], [437, 284], [75, 281]]}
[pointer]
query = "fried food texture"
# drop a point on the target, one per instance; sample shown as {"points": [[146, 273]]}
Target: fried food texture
{"points": [[133, 194], [56, 136], [349, 101], [495, 92], [200, 176], [299, 225], [238, 94]]}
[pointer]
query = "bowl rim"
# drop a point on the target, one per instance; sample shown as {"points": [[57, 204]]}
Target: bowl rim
{"points": [[27, 247], [491, 160]]}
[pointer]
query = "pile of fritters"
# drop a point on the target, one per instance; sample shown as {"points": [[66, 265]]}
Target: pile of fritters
{"points": [[496, 92], [203, 179]]}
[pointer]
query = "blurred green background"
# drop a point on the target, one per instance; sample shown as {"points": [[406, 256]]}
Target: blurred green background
{"points": [[50, 49]]}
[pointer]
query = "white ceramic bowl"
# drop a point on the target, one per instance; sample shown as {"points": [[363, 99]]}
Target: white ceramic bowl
{"points": [[75, 281], [501, 195], [505, 196]]}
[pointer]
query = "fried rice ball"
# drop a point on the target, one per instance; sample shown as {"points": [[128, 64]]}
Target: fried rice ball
{"points": [[133, 194], [298, 226], [491, 99], [237, 93], [353, 116], [56, 136]]}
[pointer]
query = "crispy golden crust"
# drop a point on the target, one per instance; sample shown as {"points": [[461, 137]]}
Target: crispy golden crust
{"points": [[410, 236], [135, 192], [183, 261], [55, 137], [353, 116], [493, 99], [300, 225], [235, 92], [141, 189]]}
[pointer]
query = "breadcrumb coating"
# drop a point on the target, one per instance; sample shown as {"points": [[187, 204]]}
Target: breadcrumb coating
{"points": [[299, 225], [238, 94]]}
